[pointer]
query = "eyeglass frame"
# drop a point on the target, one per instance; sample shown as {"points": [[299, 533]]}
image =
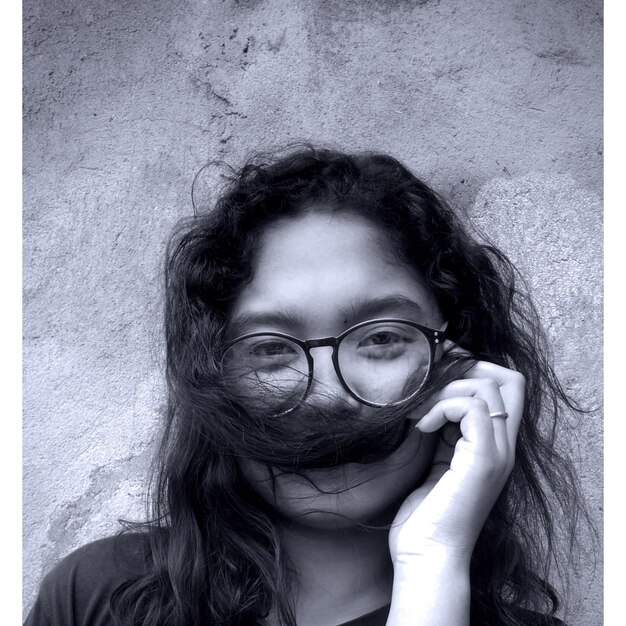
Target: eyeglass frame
{"points": [[433, 336]]}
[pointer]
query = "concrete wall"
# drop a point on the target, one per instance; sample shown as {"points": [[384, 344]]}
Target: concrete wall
{"points": [[497, 104]]}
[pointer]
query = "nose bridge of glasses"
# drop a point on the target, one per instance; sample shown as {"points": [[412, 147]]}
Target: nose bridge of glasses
{"points": [[318, 343], [323, 366], [322, 355], [326, 376]]}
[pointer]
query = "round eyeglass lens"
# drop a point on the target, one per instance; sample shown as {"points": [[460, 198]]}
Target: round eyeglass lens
{"points": [[385, 362], [267, 372]]}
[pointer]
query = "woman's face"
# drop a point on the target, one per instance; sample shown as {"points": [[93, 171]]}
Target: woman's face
{"points": [[316, 276]]}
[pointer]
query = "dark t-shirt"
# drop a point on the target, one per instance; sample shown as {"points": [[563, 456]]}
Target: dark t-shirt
{"points": [[76, 592]]}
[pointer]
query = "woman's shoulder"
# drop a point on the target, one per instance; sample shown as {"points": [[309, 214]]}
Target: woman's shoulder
{"points": [[77, 590], [111, 559]]}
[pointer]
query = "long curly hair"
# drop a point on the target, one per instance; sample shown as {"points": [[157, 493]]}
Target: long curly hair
{"points": [[215, 552]]}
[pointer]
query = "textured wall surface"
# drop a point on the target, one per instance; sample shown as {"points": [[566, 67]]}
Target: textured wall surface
{"points": [[496, 104]]}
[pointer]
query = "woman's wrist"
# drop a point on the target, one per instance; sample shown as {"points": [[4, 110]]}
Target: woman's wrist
{"points": [[428, 552], [430, 591], [431, 566]]}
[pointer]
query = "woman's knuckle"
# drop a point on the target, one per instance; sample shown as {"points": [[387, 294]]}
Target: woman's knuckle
{"points": [[518, 378], [491, 384], [479, 404]]}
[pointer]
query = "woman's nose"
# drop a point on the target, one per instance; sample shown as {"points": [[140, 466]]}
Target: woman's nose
{"points": [[326, 386]]}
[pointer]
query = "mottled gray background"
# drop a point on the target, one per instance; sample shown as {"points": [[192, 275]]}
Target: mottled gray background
{"points": [[497, 104]]}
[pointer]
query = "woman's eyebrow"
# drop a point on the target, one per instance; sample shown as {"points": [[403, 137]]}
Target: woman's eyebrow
{"points": [[264, 319], [395, 304], [358, 311]]}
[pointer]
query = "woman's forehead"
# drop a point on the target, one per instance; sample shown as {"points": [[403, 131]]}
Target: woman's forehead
{"points": [[321, 267]]}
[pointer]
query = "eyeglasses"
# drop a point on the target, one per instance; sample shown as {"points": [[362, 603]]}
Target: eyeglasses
{"points": [[380, 363]]}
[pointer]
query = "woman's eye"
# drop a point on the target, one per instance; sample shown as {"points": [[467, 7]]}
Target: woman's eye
{"points": [[386, 338], [272, 349]]}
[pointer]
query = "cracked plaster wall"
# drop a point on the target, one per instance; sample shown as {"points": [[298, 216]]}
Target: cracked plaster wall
{"points": [[497, 104]]}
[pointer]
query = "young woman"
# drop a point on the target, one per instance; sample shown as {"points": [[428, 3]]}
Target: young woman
{"points": [[361, 420]]}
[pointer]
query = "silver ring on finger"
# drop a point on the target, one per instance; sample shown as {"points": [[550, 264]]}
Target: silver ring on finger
{"points": [[503, 414]]}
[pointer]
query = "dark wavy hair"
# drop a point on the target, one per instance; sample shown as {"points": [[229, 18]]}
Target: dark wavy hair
{"points": [[215, 552]]}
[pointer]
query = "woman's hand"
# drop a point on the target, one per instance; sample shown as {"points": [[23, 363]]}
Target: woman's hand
{"points": [[435, 530]]}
